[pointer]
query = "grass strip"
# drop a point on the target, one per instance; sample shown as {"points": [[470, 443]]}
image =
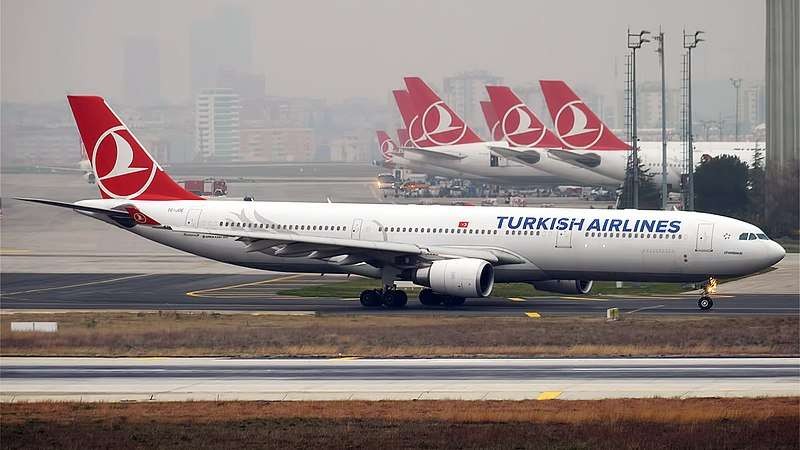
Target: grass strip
{"points": [[768, 423]]}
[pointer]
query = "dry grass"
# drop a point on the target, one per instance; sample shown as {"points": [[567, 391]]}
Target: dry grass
{"points": [[183, 334], [643, 423]]}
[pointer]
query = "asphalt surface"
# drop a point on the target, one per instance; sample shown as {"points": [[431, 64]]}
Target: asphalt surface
{"points": [[225, 292], [118, 379]]}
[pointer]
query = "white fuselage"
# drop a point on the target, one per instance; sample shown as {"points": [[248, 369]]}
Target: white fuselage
{"points": [[476, 160], [609, 172], [553, 243]]}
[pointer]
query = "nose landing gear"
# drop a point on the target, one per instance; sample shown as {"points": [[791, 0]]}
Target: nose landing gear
{"points": [[705, 303]]}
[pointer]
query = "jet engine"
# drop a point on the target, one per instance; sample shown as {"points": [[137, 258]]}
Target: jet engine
{"points": [[564, 286], [463, 277]]}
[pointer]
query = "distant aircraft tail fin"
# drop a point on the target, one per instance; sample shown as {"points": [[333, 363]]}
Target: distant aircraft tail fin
{"points": [[122, 166], [491, 121], [517, 124], [576, 125], [387, 146], [439, 123]]}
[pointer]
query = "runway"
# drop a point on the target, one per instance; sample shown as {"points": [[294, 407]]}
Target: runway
{"points": [[259, 293], [176, 379]]}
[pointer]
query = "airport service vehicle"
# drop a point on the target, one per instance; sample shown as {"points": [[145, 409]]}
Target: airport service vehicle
{"points": [[208, 187], [456, 252], [589, 143], [440, 138]]}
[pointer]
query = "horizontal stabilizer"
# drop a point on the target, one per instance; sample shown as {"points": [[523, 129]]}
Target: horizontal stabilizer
{"points": [[120, 214], [529, 157], [585, 160]]}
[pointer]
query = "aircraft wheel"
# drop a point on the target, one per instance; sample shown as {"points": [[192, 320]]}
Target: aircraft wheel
{"points": [[395, 299], [705, 303], [370, 298], [429, 298]]}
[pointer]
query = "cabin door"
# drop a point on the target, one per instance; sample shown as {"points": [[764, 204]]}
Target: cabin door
{"points": [[355, 230], [705, 235]]}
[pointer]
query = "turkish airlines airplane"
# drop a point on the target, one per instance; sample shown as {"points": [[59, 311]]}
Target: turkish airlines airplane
{"points": [[393, 157], [457, 252], [589, 143], [441, 138], [529, 139]]}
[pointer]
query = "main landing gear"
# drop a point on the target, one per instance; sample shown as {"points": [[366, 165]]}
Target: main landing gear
{"points": [[390, 297], [430, 298], [705, 303]]}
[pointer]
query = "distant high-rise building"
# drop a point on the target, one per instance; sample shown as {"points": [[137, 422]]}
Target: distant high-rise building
{"points": [[648, 103], [217, 125], [464, 92], [141, 71], [260, 143], [248, 86], [222, 41], [753, 105]]}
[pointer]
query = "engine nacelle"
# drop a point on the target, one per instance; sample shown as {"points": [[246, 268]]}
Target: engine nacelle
{"points": [[464, 277], [564, 286]]}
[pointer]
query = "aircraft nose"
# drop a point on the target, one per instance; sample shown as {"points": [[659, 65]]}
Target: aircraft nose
{"points": [[774, 253]]}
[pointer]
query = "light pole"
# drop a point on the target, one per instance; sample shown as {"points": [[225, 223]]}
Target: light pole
{"points": [[660, 51], [690, 41], [635, 41], [737, 83]]}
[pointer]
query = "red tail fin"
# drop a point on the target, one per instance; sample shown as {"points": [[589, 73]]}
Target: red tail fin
{"points": [[410, 115], [402, 136], [386, 144], [440, 124], [518, 124], [122, 167], [576, 125], [491, 121]]}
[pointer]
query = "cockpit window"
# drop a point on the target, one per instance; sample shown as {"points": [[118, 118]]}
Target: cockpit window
{"points": [[743, 236], [762, 236], [753, 237]]}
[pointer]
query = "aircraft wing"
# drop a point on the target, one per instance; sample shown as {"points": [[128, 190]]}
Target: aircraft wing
{"points": [[585, 160], [430, 152], [527, 156], [352, 251]]}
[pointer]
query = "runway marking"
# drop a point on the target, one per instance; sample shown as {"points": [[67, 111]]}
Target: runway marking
{"points": [[549, 395], [346, 358], [517, 299], [645, 308], [533, 315], [14, 251], [91, 283], [200, 293], [587, 299]]}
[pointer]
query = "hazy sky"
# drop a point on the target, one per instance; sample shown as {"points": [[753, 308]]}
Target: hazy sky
{"points": [[344, 48]]}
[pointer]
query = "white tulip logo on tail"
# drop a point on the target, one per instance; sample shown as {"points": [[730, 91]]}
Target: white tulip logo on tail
{"points": [[521, 133], [439, 127], [387, 147], [573, 128], [122, 167]]}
